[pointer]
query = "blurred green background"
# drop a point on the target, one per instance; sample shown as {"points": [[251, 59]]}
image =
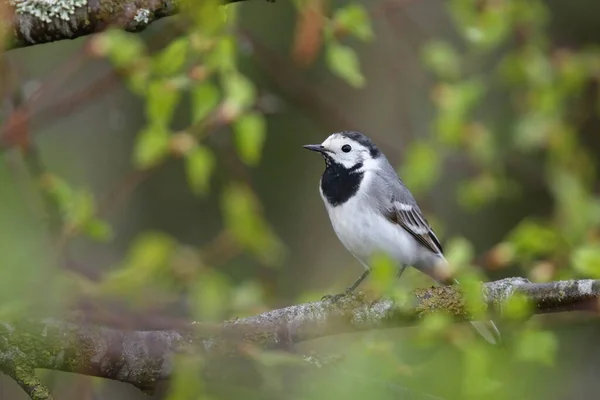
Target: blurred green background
{"points": [[167, 181]]}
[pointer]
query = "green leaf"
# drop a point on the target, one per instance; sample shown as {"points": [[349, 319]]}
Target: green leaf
{"points": [[442, 59], [60, 191], [455, 102], [150, 251], [517, 307], [160, 103], [205, 98], [586, 261], [239, 92], [171, 59], [384, 272], [224, 55], [124, 49], [144, 277], [151, 146], [243, 218], [211, 296], [250, 135], [207, 15], [354, 19], [200, 164], [98, 229], [81, 208], [185, 383], [537, 346], [459, 252], [343, 62], [532, 239], [421, 166]]}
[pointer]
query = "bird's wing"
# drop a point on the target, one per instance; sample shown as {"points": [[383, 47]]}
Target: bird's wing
{"points": [[412, 220], [399, 206]]}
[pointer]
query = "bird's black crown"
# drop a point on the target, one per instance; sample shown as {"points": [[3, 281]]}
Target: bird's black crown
{"points": [[363, 140]]}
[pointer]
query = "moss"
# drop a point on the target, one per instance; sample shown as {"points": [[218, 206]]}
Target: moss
{"points": [[441, 298]]}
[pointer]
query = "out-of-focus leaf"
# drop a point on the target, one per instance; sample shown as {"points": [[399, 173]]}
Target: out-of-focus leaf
{"points": [[537, 346], [161, 101], [205, 98], [574, 203], [211, 296], [483, 27], [144, 276], [250, 135], [171, 59], [477, 382], [532, 131], [586, 261], [248, 298], [421, 167], [150, 250], [459, 252], [274, 358], [98, 230], [354, 18], [200, 163], [224, 55], [533, 239], [59, 190], [383, 273], [244, 220], [239, 92], [455, 102], [442, 59], [151, 146], [81, 208], [186, 382], [309, 32], [479, 191], [517, 307], [123, 49], [207, 15], [432, 327], [343, 62]]}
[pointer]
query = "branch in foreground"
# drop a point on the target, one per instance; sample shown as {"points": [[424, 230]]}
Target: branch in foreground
{"points": [[35, 22], [143, 358]]}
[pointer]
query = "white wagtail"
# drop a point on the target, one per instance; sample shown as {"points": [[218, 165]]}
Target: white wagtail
{"points": [[372, 211]]}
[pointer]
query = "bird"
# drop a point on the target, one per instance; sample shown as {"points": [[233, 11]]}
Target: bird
{"points": [[372, 212]]}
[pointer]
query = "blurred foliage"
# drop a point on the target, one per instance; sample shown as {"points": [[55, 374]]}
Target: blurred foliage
{"points": [[502, 49]]}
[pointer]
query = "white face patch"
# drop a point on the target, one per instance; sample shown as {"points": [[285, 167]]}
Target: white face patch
{"points": [[336, 144]]}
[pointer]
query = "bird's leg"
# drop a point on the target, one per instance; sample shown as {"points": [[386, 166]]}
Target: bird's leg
{"points": [[402, 268], [348, 291]]}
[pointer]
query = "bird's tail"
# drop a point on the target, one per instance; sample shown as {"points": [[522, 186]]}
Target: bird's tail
{"points": [[488, 330]]}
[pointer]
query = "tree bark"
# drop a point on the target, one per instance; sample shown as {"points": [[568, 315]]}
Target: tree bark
{"points": [[143, 358], [34, 22]]}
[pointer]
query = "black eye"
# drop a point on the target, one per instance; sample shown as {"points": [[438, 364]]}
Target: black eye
{"points": [[346, 148]]}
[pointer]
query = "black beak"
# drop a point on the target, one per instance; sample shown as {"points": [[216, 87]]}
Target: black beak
{"points": [[315, 147]]}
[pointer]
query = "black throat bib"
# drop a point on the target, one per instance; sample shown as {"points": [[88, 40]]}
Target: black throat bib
{"points": [[338, 183]]}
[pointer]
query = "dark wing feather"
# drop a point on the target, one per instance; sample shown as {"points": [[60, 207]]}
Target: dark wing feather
{"points": [[412, 220]]}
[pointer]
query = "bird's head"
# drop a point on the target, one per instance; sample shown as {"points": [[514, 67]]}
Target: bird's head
{"points": [[347, 148]]}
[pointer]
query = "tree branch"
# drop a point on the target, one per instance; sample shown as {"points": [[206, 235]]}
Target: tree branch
{"points": [[142, 358], [36, 21]]}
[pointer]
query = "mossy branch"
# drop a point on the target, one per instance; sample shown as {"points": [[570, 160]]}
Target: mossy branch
{"points": [[37, 22], [143, 358]]}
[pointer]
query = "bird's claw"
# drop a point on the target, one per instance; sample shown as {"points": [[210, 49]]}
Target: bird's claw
{"points": [[333, 297], [336, 297]]}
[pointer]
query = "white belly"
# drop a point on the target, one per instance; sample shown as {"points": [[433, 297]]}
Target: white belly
{"points": [[365, 232]]}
